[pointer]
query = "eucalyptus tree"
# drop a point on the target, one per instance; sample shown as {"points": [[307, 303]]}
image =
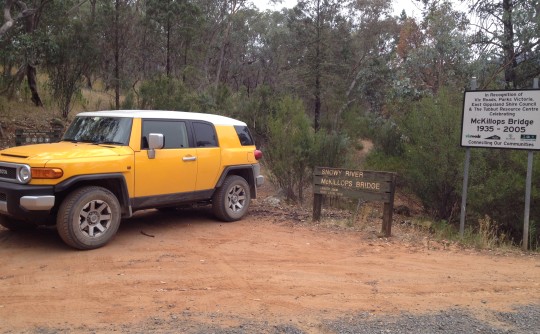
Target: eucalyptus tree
{"points": [[22, 43], [117, 23], [434, 52], [312, 24], [176, 20], [229, 10], [273, 52], [508, 37], [368, 60], [72, 51]]}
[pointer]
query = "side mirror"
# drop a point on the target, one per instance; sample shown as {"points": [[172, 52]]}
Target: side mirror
{"points": [[155, 142]]}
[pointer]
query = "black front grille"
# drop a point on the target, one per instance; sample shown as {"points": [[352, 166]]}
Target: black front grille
{"points": [[8, 173], [3, 197]]}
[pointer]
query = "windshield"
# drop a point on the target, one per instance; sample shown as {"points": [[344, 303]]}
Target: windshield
{"points": [[99, 130]]}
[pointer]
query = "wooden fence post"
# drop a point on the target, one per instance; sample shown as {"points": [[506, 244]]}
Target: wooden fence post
{"points": [[388, 210], [317, 203]]}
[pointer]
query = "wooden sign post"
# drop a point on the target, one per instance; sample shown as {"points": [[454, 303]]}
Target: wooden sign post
{"points": [[365, 185]]}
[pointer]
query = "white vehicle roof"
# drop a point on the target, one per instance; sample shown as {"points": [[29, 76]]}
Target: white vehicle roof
{"points": [[157, 114]]}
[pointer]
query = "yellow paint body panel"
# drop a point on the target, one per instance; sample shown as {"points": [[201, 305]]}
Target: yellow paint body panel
{"points": [[172, 171], [209, 167], [167, 173], [74, 159], [232, 153]]}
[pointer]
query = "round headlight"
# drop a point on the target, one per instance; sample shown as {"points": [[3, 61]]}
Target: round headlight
{"points": [[24, 174]]}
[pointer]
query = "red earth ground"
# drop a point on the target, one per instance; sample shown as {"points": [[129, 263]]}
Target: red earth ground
{"points": [[274, 265]]}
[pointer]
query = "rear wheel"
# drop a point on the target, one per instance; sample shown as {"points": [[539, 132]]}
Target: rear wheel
{"points": [[231, 200], [16, 225], [88, 218]]}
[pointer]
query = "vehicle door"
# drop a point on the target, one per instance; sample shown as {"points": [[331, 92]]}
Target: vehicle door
{"points": [[208, 155], [172, 174]]}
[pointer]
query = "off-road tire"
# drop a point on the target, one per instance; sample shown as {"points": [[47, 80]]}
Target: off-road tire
{"points": [[231, 201], [16, 225], [88, 217]]}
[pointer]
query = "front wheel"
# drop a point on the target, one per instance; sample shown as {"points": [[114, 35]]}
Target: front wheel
{"points": [[231, 200], [88, 218]]}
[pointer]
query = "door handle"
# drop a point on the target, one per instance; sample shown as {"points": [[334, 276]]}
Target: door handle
{"points": [[189, 158]]}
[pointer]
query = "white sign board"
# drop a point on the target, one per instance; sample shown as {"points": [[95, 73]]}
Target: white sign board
{"points": [[501, 119]]}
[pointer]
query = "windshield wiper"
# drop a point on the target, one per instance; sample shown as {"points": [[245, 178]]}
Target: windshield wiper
{"points": [[109, 142], [71, 140]]}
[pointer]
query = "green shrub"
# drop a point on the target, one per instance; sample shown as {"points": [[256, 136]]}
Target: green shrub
{"points": [[166, 94], [330, 149], [497, 189], [129, 101], [289, 148], [432, 155]]}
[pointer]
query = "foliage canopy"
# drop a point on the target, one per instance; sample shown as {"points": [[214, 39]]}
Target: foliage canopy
{"points": [[311, 80]]}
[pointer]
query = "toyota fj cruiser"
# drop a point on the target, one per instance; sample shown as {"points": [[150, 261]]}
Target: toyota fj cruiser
{"points": [[110, 164]]}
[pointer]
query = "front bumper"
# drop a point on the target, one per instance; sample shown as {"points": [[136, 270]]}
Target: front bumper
{"points": [[26, 202]]}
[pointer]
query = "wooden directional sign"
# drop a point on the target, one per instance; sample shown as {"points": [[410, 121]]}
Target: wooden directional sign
{"points": [[367, 185], [362, 185]]}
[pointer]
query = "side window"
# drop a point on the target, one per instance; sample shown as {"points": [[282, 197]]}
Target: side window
{"points": [[244, 135], [205, 135], [174, 133]]}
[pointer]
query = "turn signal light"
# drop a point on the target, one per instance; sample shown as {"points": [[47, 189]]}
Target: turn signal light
{"points": [[47, 173], [258, 154]]}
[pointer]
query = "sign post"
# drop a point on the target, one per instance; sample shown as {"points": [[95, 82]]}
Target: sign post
{"points": [[506, 120], [528, 182], [365, 185], [464, 189]]}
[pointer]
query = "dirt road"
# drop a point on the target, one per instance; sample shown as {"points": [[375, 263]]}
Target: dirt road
{"points": [[187, 265]]}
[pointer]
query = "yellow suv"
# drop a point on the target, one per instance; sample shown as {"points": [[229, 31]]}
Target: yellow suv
{"points": [[110, 164]]}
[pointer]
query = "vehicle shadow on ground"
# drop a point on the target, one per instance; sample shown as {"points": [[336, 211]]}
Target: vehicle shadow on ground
{"points": [[44, 238], [148, 223], [156, 221]]}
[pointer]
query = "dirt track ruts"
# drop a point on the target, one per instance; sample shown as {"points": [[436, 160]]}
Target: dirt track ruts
{"points": [[185, 265]]}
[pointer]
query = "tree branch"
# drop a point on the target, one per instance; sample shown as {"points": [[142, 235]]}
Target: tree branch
{"points": [[69, 11], [528, 47], [9, 20]]}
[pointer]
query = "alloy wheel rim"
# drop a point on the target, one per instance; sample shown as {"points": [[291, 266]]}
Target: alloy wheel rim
{"points": [[236, 198], [95, 218]]}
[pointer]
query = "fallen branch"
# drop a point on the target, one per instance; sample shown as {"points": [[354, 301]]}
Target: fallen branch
{"points": [[148, 235]]}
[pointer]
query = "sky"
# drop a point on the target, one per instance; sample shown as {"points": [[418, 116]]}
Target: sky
{"points": [[410, 7]]}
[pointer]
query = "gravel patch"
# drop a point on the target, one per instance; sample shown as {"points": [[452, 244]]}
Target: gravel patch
{"points": [[523, 320]]}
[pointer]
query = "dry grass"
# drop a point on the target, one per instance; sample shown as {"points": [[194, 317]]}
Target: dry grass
{"points": [[20, 113]]}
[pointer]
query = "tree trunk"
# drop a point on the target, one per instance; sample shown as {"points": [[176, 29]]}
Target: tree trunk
{"points": [[32, 84], [318, 62], [15, 82], [30, 24], [117, 55], [317, 124], [168, 51], [510, 62], [186, 49], [222, 53]]}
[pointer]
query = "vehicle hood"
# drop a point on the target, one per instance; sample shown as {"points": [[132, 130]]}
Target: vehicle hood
{"points": [[61, 151]]}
